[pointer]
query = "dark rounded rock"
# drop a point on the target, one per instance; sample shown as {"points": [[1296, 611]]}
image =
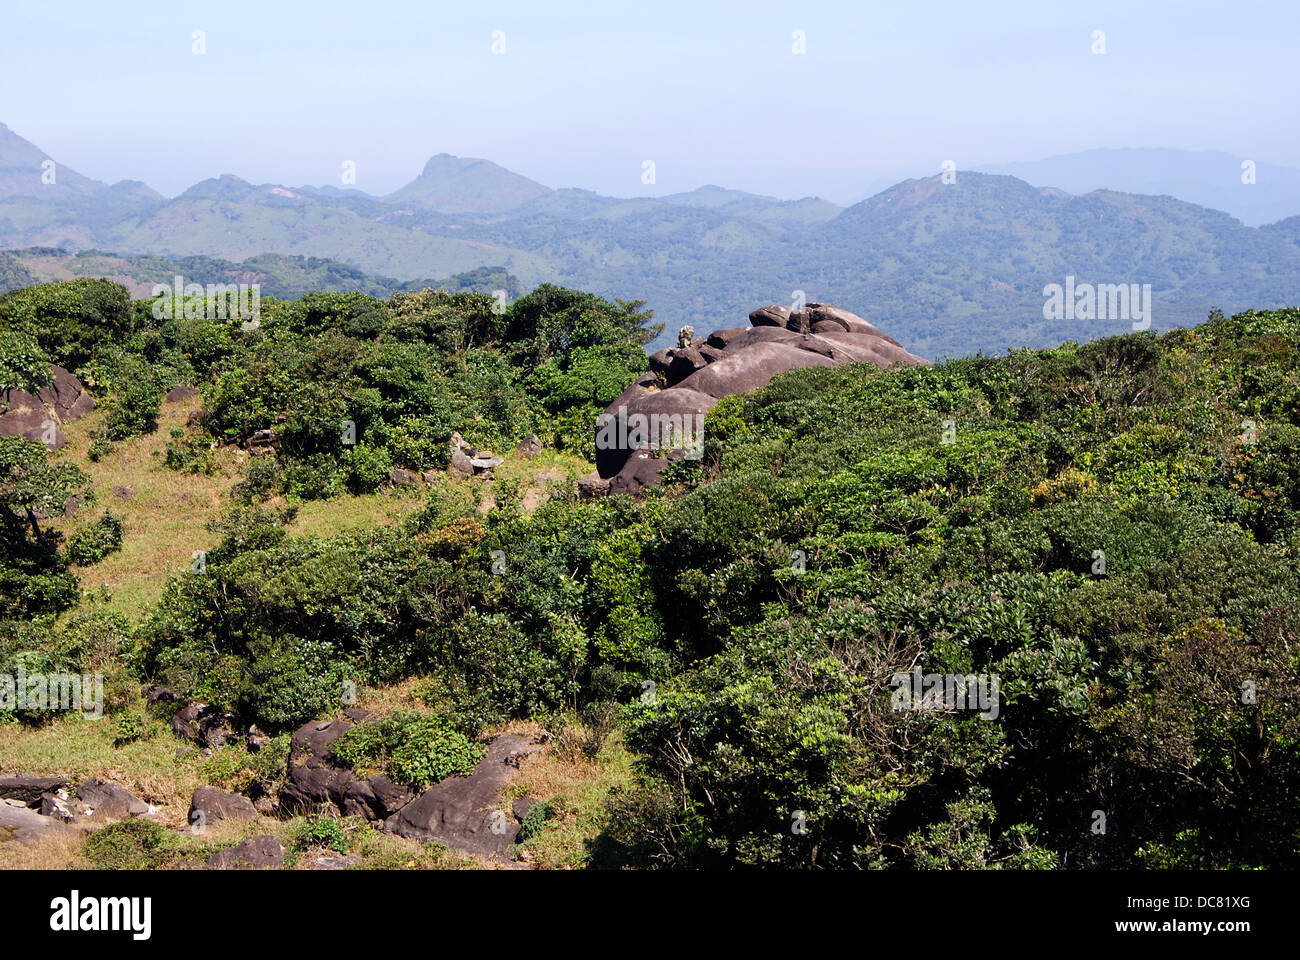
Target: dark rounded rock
{"points": [[462, 812], [648, 422], [108, 801], [256, 853], [209, 805], [316, 782], [641, 470], [720, 338], [181, 393], [685, 361], [28, 789], [851, 322], [660, 360], [771, 316], [750, 369], [529, 447], [399, 477]]}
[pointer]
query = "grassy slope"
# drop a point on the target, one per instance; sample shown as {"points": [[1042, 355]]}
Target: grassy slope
{"points": [[164, 522]]}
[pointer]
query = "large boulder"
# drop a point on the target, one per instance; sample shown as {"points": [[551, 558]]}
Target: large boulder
{"points": [[317, 782], [750, 369], [209, 805], [747, 338], [27, 789], [104, 801], [610, 457], [255, 853], [721, 338], [20, 822], [660, 361], [63, 400], [851, 322], [773, 316], [685, 361], [641, 470], [884, 352], [649, 422], [464, 813], [702, 371]]}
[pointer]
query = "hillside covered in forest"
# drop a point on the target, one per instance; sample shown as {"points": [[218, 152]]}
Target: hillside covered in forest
{"points": [[951, 264], [267, 525]]}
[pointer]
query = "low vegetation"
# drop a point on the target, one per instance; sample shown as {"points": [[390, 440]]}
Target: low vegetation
{"points": [[1108, 531]]}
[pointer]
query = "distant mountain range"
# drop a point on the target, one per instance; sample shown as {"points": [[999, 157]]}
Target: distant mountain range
{"points": [[949, 269], [1206, 178], [277, 275]]}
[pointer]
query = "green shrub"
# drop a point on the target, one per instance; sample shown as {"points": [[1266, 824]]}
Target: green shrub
{"points": [[23, 364], [130, 728], [100, 447], [93, 543], [129, 845], [133, 410], [416, 749], [536, 817], [71, 319], [321, 832], [187, 453]]}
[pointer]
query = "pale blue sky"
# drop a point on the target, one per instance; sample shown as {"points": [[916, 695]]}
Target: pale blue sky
{"points": [[586, 91]]}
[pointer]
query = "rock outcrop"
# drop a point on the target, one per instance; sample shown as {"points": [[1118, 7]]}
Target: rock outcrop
{"points": [[255, 853], [206, 725], [468, 461], [659, 418], [209, 805], [28, 789], [463, 812], [316, 782], [96, 802], [39, 416], [21, 823]]}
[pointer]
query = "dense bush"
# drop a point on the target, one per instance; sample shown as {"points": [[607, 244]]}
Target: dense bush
{"points": [[1108, 530], [34, 581], [23, 364], [130, 845], [414, 749], [93, 543], [70, 319]]}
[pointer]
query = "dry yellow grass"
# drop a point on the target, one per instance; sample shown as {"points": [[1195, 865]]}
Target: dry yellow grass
{"points": [[80, 748], [576, 788], [61, 851], [165, 519]]}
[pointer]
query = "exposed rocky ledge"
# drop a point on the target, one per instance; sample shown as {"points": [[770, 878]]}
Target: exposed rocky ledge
{"points": [[686, 381], [63, 400]]}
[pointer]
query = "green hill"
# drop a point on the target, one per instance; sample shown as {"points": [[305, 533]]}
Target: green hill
{"points": [[465, 185], [1084, 557], [951, 269]]}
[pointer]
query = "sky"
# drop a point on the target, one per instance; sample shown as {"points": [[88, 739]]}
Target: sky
{"points": [[584, 94]]}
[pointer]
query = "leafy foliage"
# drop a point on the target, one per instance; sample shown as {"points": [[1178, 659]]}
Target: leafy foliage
{"points": [[414, 749], [130, 845], [93, 543]]}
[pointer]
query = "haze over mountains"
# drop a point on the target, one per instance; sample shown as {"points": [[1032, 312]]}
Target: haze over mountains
{"points": [[948, 268], [1207, 178]]}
